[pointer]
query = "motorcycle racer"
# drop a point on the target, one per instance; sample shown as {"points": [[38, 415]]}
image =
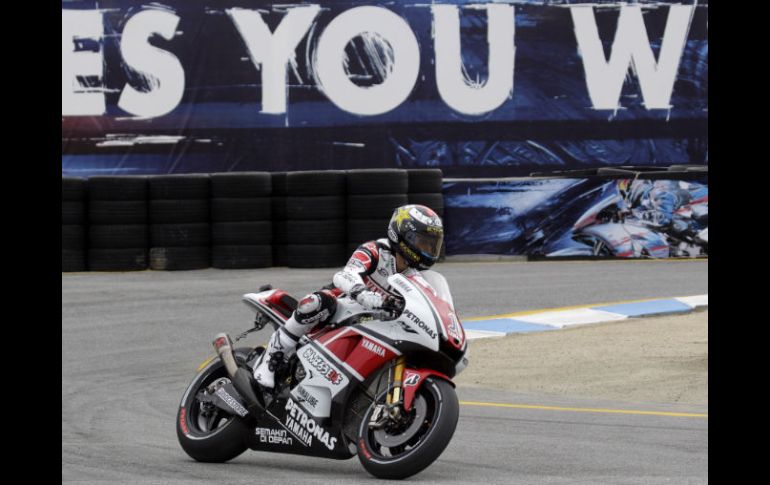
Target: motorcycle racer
{"points": [[654, 201], [415, 235]]}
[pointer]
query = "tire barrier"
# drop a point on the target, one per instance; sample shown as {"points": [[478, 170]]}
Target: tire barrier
{"points": [[315, 219], [362, 230], [242, 256], [374, 206], [373, 195], [73, 224], [425, 181], [117, 223], [179, 258], [309, 219], [377, 181], [280, 251], [241, 220], [425, 188], [180, 227]]}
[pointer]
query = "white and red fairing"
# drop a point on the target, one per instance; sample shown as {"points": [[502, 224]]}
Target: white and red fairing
{"points": [[334, 357]]}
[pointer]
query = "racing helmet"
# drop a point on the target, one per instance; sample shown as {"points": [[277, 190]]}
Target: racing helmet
{"points": [[416, 233]]}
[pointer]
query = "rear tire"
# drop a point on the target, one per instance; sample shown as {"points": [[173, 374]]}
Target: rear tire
{"points": [[221, 444], [427, 444]]}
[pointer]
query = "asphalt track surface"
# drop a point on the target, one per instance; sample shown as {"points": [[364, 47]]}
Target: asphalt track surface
{"points": [[131, 343]]}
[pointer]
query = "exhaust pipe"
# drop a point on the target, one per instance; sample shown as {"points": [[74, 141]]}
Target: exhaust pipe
{"points": [[224, 347], [240, 377]]}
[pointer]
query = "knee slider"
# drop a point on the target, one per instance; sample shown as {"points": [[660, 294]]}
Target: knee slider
{"points": [[315, 308]]}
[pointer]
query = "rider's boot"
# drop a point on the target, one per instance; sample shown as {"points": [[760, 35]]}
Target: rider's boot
{"points": [[316, 308], [281, 345]]}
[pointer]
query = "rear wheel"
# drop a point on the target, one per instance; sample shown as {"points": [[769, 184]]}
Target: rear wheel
{"points": [[205, 432], [400, 450]]}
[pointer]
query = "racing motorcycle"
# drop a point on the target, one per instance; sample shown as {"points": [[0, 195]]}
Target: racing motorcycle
{"points": [[372, 383], [643, 233], [605, 229]]}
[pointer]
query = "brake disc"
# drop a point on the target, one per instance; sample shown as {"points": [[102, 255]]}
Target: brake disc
{"points": [[389, 440]]}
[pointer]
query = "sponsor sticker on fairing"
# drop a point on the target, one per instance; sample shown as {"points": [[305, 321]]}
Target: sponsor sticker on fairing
{"points": [[411, 380], [321, 365], [373, 347], [454, 327], [406, 327], [304, 428], [403, 286], [274, 436], [307, 398], [420, 323]]}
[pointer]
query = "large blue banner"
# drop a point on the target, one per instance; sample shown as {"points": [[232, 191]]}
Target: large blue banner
{"points": [[198, 85], [578, 217]]}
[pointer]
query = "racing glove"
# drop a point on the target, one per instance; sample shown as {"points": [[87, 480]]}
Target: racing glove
{"points": [[367, 299]]}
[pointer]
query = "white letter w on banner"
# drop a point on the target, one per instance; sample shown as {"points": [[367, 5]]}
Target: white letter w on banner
{"points": [[631, 47]]}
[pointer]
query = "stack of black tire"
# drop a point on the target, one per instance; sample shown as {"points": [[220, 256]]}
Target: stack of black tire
{"points": [[73, 224], [280, 241], [315, 219], [117, 223], [373, 195], [425, 188], [180, 228], [309, 219], [241, 226]]}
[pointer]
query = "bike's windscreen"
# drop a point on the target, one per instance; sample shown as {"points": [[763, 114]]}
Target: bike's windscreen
{"points": [[439, 283]]}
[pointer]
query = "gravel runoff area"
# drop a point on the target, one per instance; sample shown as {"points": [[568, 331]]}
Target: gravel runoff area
{"points": [[662, 359]]}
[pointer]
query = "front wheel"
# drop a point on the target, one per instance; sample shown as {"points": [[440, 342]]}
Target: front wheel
{"points": [[402, 450], [205, 432]]}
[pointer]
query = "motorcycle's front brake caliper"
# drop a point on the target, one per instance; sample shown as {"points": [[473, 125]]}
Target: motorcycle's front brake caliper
{"points": [[388, 415], [380, 417]]}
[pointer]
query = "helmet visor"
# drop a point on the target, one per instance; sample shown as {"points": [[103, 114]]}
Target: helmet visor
{"points": [[426, 243]]}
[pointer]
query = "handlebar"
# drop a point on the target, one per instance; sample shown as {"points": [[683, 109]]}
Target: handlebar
{"points": [[392, 307]]}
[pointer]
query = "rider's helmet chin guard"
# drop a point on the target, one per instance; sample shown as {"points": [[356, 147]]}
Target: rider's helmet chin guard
{"points": [[417, 234]]}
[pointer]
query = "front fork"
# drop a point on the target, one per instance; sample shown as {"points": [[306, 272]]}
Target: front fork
{"points": [[395, 396], [394, 400]]}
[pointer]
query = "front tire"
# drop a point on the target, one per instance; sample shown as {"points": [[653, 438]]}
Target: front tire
{"points": [[435, 420], [216, 438]]}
